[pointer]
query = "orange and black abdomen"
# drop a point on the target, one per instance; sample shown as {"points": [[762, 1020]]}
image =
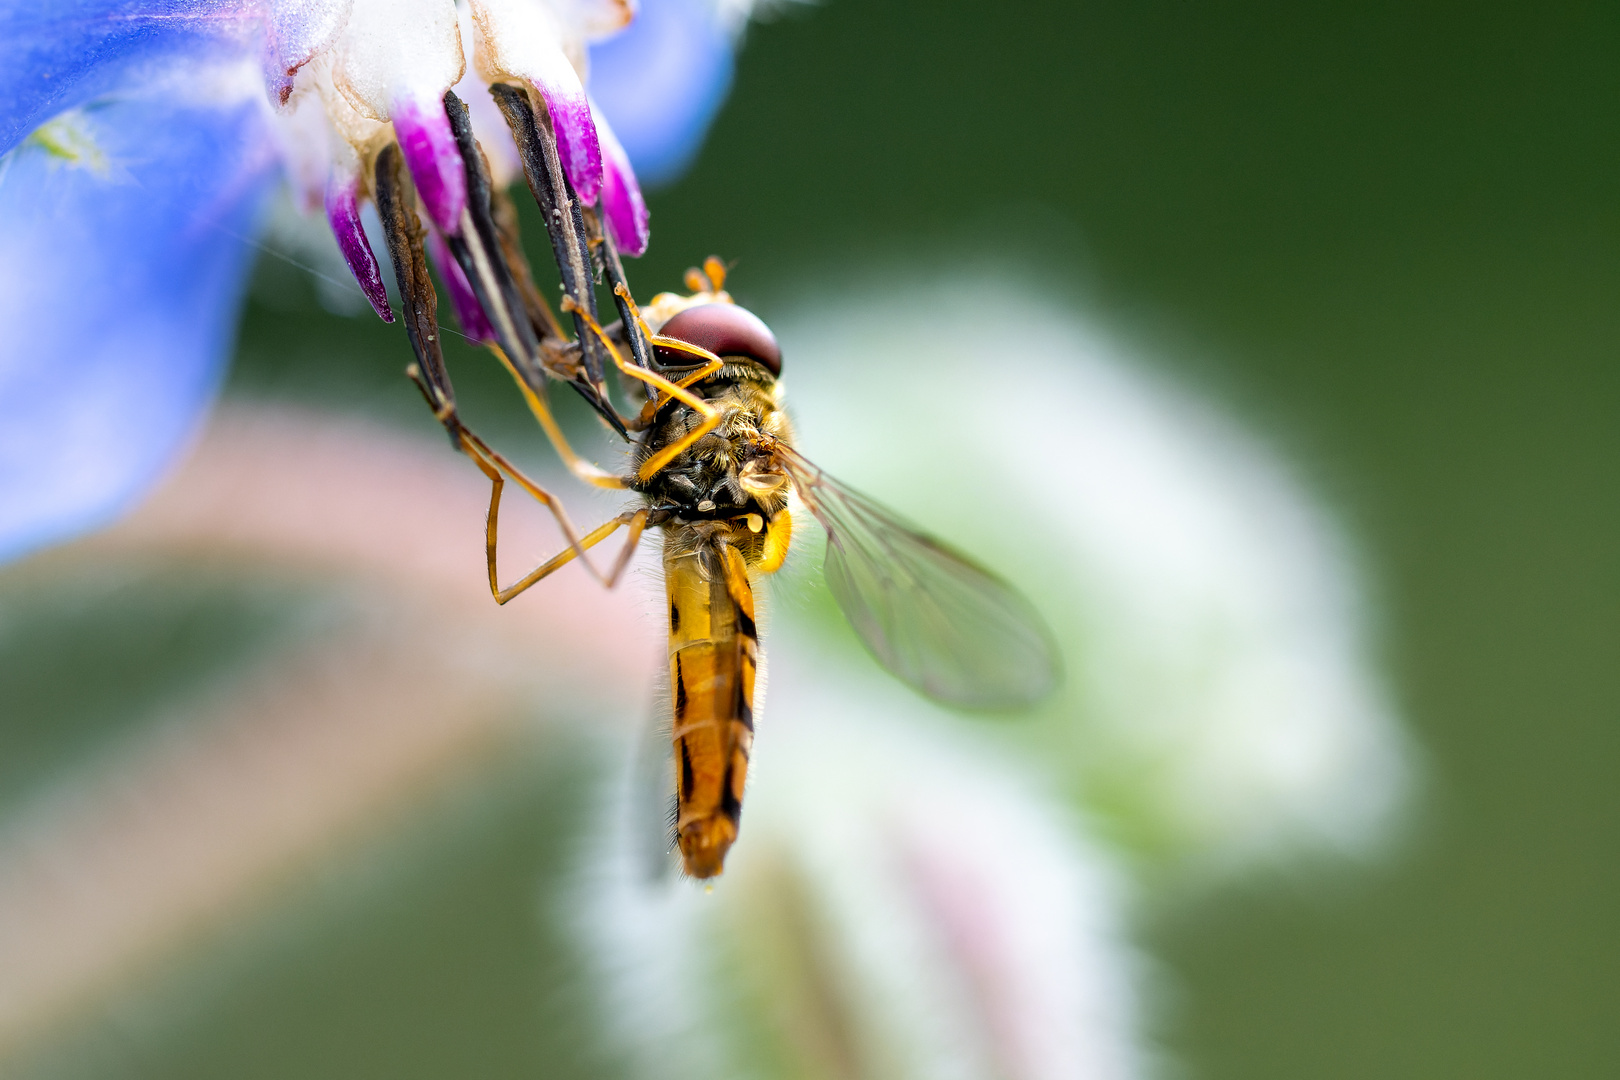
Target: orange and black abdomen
{"points": [[713, 657]]}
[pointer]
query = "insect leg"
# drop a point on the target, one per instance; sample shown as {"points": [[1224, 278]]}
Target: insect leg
{"points": [[632, 314], [636, 521], [577, 465], [711, 415], [711, 362], [636, 334], [497, 468], [479, 249], [653, 406], [420, 303], [629, 309]]}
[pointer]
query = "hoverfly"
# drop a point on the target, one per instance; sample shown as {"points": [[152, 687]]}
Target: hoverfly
{"points": [[713, 462]]}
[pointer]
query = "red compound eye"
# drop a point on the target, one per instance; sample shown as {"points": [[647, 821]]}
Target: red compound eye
{"points": [[725, 330]]}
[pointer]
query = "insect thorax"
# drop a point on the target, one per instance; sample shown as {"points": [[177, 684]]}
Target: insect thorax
{"points": [[732, 471]]}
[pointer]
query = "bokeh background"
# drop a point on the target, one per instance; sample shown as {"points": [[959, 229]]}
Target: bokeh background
{"points": [[1385, 237]]}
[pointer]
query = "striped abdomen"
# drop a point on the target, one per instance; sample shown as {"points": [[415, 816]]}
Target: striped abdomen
{"points": [[713, 656]]}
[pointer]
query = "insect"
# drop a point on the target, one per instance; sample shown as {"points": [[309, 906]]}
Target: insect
{"points": [[715, 469], [724, 501]]}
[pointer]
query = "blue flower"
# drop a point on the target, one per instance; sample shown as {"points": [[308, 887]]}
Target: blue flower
{"points": [[138, 141]]}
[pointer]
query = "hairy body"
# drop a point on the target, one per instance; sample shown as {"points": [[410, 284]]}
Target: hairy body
{"points": [[726, 496]]}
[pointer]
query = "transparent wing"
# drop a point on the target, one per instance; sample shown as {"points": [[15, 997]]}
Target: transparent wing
{"points": [[932, 616]]}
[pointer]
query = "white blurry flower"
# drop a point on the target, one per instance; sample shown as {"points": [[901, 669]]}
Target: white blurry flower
{"points": [[905, 902], [1220, 704]]}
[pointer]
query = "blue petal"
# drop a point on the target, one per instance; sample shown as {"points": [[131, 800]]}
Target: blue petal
{"points": [[661, 82], [122, 265], [57, 54]]}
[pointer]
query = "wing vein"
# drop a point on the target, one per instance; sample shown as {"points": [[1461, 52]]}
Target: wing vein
{"points": [[929, 614]]}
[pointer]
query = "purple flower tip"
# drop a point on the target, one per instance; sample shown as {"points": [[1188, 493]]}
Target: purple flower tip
{"points": [[577, 141], [468, 312], [430, 153], [343, 211], [623, 208]]}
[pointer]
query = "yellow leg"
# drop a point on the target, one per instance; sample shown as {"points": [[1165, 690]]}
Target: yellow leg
{"points": [[623, 293], [711, 415], [656, 403], [444, 410], [493, 465], [711, 362], [577, 465], [777, 539], [637, 522], [736, 571]]}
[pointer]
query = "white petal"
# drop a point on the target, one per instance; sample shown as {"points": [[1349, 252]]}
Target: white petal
{"points": [[489, 126], [592, 19], [397, 49], [295, 31], [525, 39], [303, 136]]}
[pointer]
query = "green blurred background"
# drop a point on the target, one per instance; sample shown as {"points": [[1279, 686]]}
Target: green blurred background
{"points": [[1387, 237], [1390, 236]]}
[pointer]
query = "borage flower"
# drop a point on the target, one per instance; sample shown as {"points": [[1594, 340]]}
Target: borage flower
{"points": [[139, 139]]}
